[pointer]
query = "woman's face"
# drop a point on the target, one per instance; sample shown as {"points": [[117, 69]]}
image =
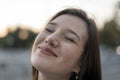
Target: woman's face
{"points": [[57, 49]]}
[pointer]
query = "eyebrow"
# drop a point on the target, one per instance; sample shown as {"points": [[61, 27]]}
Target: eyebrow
{"points": [[71, 31], [52, 23]]}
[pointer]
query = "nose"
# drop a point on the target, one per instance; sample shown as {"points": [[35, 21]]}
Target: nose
{"points": [[52, 41]]}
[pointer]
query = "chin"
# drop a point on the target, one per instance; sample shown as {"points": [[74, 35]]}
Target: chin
{"points": [[36, 63]]}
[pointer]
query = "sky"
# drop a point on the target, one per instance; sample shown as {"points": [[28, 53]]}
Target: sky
{"points": [[34, 13]]}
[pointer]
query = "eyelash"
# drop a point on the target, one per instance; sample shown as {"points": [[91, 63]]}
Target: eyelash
{"points": [[48, 30], [69, 39]]}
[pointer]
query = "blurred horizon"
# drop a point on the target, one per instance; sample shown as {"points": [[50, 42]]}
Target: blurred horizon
{"points": [[22, 28], [32, 14]]}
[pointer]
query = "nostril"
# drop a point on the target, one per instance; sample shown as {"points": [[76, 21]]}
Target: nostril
{"points": [[52, 44], [46, 41], [38, 46]]}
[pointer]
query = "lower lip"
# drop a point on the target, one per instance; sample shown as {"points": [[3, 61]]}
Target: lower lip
{"points": [[46, 52]]}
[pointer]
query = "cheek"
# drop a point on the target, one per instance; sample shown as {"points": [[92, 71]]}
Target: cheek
{"points": [[70, 56], [71, 51], [38, 40], [40, 37]]}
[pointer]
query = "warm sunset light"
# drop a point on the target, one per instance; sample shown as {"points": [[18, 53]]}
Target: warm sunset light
{"points": [[35, 12], [3, 33]]}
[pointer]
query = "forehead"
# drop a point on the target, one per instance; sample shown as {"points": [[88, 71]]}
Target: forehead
{"points": [[69, 21], [74, 23]]}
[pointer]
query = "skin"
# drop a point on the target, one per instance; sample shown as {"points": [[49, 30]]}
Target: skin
{"points": [[68, 47]]}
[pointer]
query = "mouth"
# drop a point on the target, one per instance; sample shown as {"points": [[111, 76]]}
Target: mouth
{"points": [[47, 51]]}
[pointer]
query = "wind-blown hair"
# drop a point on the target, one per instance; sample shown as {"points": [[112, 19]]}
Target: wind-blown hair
{"points": [[90, 58]]}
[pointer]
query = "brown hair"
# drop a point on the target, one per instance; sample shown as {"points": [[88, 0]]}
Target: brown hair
{"points": [[90, 59]]}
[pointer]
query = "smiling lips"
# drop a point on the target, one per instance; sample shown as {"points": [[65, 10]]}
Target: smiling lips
{"points": [[47, 51]]}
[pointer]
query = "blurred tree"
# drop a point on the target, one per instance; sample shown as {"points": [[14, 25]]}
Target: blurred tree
{"points": [[110, 35], [20, 38]]}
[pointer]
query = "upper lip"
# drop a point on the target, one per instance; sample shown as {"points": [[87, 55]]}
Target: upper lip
{"points": [[48, 50]]}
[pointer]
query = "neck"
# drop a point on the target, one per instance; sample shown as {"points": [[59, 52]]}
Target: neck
{"points": [[42, 76]]}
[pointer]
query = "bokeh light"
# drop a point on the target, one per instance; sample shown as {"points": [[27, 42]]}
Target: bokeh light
{"points": [[118, 50], [23, 35]]}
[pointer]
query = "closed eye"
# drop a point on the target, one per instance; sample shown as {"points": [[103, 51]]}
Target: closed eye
{"points": [[70, 39], [49, 30]]}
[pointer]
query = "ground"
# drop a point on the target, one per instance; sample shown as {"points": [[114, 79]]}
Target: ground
{"points": [[15, 64]]}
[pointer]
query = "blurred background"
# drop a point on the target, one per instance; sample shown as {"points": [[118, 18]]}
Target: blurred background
{"points": [[22, 20]]}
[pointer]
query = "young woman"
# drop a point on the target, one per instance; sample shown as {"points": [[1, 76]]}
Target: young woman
{"points": [[67, 48]]}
